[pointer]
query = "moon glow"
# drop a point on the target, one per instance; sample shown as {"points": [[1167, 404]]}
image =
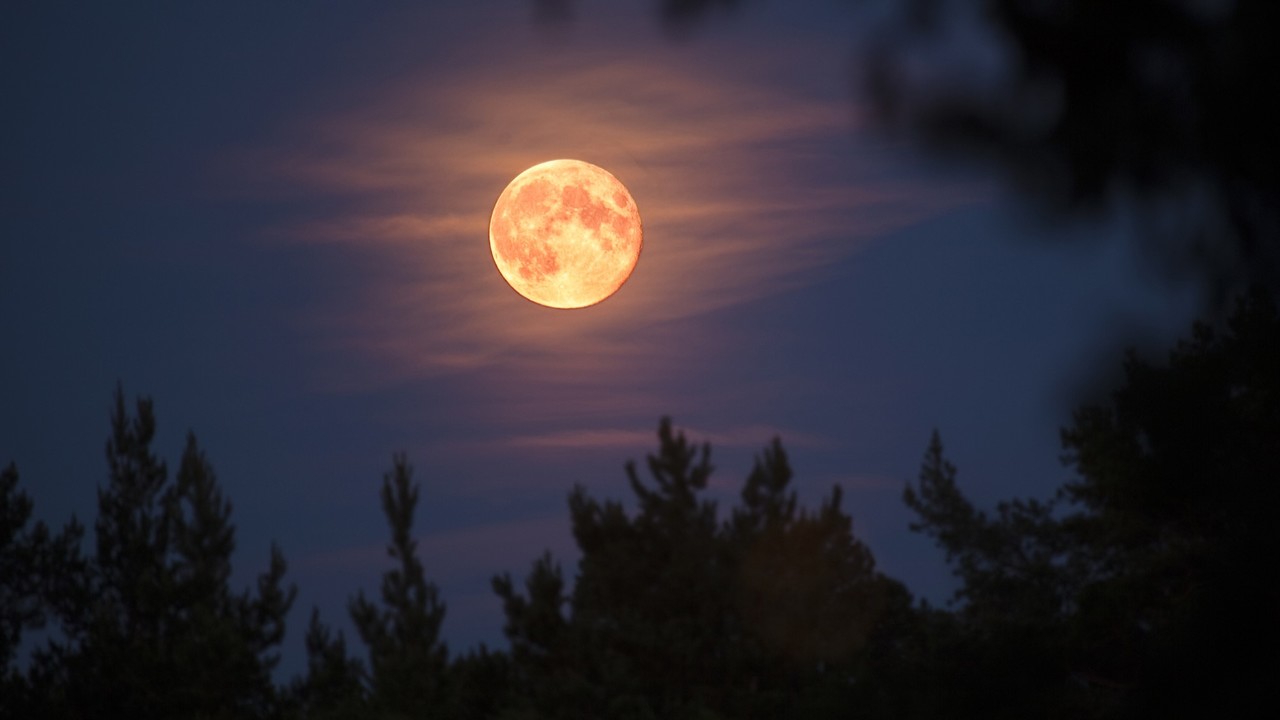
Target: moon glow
{"points": [[565, 234]]}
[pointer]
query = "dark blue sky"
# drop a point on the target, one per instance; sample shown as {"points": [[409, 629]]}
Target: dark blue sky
{"points": [[271, 218]]}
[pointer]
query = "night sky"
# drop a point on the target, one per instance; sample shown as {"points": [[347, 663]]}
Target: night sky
{"points": [[272, 219]]}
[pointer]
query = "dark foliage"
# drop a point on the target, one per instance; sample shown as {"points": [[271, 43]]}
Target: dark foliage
{"points": [[1176, 501], [407, 660], [147, 626], [33, 565], [333, 688], [1139, 590], [1162, 102], [773, 612]]}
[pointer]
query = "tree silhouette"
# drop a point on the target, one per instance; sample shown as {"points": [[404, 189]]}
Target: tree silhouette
{"points": [[407, 660], [34, 569], [479, 685], [151, 628], [1137, 590], [1177, 500], [409, 673], [648, 592], [1019, 580], [333, 687], [20, 601], [546, 680], [771, 613], [812, 606]]}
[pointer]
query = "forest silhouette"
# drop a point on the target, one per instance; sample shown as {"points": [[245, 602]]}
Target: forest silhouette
{"points": [[1141, 588]]}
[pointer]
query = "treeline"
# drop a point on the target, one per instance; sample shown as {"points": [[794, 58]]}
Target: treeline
{"points": [[1142, 588]]}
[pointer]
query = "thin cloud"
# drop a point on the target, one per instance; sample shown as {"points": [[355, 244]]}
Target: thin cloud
{"points": [[745, 436], [578, 439], [736, 181]]}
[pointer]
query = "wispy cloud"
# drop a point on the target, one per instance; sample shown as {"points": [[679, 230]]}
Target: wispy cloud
{"points": [[747, 187], [750, 436], [577, 439]]}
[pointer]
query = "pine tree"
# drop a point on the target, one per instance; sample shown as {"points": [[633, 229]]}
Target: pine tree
{"points": [[155, 630], [333, 688], [675, 614], [545, 680], [1005, 645], [20, 597], [39, 572], [407, 660], [809, 600], [1176, 501], [650, 590], [116, 664], [1136, 590]]}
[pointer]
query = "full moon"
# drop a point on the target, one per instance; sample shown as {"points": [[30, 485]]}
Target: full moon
{"points": [[565, 234]]}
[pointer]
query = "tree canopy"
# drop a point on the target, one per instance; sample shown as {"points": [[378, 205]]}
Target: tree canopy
{"points": [[149, 626], [1138, 589]]}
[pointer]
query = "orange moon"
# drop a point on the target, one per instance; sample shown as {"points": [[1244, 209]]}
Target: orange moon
{"points": [[565, 234]]}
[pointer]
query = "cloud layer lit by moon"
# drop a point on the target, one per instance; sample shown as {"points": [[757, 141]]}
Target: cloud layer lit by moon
{"points": [[738, 207]]}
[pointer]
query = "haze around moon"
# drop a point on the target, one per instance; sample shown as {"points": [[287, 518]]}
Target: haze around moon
{"points": [[565, 234]]}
